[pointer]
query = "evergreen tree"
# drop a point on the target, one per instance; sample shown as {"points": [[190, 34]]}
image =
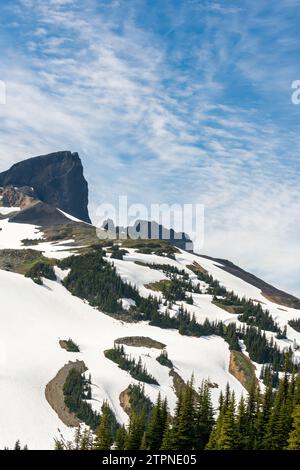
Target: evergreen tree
{"points": [[263, 417], [226, 438], [204, 417], [276, 434], [156, 426], [121, 438], [104, 438], [184, 421], [135, 432], [242, 426], [294, 437]]}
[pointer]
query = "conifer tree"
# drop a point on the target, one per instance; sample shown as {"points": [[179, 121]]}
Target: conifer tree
{"points": [[121, 438], [184, 421], [226, 438], [263, 417], [156, 426], [242, 426], [204, 417], [294, 437], [104, 439], [276, 437], [135, 432], [86, 442]]}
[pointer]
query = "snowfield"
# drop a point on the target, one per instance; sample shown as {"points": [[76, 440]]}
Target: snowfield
{"points": [[34, 318], [33, 322]]}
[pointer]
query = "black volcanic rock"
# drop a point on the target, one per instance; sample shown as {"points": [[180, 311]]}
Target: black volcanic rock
{"points": [[40, 214], [57, 179]]}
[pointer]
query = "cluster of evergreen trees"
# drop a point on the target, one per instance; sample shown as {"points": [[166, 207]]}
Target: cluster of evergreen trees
{"points": [[71, 346], [164, 360], [93, 278], [176, 289], [39, 270], [136, 369], [295, 324], [117, 252], [249, 312], [269, 375], [167, 269], [269, 421], [76, 391], [263, 351]]}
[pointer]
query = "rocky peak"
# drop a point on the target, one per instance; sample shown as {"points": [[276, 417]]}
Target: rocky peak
{"points": [[57, 179]]}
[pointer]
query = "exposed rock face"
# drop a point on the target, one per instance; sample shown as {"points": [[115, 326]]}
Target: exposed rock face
{"points": [[57, 179], [40, 214], [18, 197], [242, 369]]}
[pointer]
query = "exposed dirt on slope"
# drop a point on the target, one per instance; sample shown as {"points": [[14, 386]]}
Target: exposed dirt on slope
{"points": [[197, 268], [125, 401], [242, 369], [55, 395]]}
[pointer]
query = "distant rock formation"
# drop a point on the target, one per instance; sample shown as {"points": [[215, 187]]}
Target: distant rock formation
{"points": [[150, 231], [57, 179]]}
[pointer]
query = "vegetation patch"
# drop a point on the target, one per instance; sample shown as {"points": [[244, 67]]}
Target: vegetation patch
{"points": [[69, 345], [164, 360], [134, 400], [135, 369], [149, 246], [295, 324], [31, 241], [80, 233], [41, 269], [77, 390], [94, 279], [174, 289], [140, 341], [23, 261], [117, 252]]}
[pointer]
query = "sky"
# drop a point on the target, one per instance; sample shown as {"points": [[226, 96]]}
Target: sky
{"points": [[167, 101]]}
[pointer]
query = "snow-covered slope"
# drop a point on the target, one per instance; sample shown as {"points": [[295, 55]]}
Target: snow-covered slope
{"points": [[34, 318], [33, 321]]}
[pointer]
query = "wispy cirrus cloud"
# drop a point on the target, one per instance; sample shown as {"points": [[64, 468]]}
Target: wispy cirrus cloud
{"points": [[167, 102]]}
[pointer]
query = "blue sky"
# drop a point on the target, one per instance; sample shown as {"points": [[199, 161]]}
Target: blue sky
{"points": [[173, 101]]}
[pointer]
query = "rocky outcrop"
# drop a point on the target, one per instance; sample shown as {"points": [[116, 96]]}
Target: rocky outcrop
{"points": [[40, 214], [57, 180], [18, 197], [242, 369], [55, 393], [146, 230]]}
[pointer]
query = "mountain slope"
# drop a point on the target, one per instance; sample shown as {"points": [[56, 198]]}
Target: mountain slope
{"points": [[190, 297]]}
